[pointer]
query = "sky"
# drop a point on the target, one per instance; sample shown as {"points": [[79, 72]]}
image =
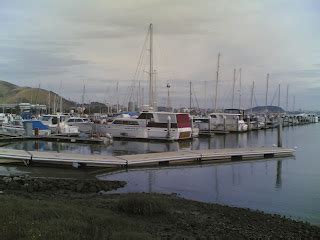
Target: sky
{"points": [[63, 45]]}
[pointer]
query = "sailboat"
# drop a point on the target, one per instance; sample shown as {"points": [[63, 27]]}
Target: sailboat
{"points": [[151, 124]]}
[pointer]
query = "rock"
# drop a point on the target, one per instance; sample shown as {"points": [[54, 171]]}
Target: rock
{"points": [[16, 178], [80, 187]]}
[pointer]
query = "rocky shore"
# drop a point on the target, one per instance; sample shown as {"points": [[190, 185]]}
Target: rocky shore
{"points": [[63, 209], [31, 184]]}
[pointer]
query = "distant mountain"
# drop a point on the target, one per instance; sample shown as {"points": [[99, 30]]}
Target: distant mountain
{"points": [[10, 93], [263, 109]]}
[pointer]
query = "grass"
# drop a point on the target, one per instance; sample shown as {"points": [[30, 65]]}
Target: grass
{"points": [[47, 219], [135, 216]]}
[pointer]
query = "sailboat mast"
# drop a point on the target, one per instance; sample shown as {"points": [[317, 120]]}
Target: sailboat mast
{"points": [[205, 95], [287, 101], [49, 103], [267, 90], [251, 99], [117, 90], [151, 66], [233, 86], [190, 95], [217, 80], [279, 89], [240, 72]]}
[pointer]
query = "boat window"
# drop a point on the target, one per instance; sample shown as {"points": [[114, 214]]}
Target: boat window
{"points": [[78, 120], [45, 118], [213, 116], [145, 116], [54, 120], [117, 122], [71, 120], [62, 118]]}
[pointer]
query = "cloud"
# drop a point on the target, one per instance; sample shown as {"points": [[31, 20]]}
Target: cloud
{"points": [[100, 41]]}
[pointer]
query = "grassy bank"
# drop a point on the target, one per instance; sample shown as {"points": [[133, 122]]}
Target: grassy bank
{"points": [[136, 216]]}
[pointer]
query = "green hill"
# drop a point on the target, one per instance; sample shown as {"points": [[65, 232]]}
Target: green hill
{"points": [[10, 93]]}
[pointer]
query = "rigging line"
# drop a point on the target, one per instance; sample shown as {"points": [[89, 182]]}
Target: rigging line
{"points": [[141, 57], [195, 96]]}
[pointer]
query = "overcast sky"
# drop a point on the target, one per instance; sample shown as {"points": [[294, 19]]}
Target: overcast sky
{"points": [[98, 43]]}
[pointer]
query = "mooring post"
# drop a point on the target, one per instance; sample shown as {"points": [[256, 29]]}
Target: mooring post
{"points": [[248, 122], [224, 124], [169, 127], [280, 134]]}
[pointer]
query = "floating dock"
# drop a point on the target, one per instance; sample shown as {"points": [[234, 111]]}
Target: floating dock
{"points": [[54, 138], [148, 159]]}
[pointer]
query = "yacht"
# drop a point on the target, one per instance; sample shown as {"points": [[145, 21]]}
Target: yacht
{"points": [[84, 124], [152, 125], [221, 122]]}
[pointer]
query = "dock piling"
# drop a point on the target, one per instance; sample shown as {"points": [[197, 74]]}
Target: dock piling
{"points": [[280, 134]]}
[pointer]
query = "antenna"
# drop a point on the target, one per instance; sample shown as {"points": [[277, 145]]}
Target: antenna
{"points": [[168, 99]]}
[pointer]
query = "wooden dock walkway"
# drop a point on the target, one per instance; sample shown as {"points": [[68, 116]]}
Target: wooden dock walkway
{"points": [[164, 158]]}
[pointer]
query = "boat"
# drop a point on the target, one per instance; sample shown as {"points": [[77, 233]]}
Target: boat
{"points": [[220, 123], [153, 126], [84, 124], [31, 127], [58, 125]]}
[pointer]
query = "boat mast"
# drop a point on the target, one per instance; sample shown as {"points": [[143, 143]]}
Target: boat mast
{"points": [[82, 99], [233, 86], [251, 99], [49, 103], [279, 95], [217, 79], [151, 100], [117, 90], [287, 100], [205, 95], [267, 91], [240, 88], [190, 95]]}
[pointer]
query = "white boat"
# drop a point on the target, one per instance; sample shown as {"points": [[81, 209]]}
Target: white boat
{"points": [[84, 124], [221, 122], [153, 125], [57, 124], [18, 128]]}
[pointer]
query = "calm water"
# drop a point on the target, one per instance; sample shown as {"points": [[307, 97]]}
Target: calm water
{"points": [[288, 186]]}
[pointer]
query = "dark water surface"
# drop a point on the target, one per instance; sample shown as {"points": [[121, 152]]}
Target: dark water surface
{"points": [[288, 186]]}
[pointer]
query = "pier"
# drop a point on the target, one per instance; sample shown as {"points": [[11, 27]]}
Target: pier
{"points": [[148, 159]]}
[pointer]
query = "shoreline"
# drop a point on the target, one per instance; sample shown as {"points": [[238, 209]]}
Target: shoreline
{"points": [[93, 215]]}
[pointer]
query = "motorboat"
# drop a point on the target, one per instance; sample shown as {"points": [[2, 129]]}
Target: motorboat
{"points": [[152, 125], [58, 125]]}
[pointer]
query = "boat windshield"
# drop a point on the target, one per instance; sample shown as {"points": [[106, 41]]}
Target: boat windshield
{"points": [[46, 118]]}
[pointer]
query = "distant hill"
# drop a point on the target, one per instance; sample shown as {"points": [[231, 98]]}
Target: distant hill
{"points": [[10, 93], [263, 109]]}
